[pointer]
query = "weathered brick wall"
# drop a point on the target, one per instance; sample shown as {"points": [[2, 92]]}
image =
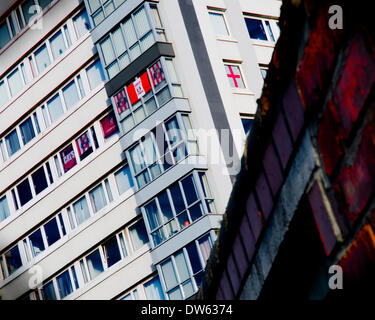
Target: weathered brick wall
{"points": [[314, 139]]}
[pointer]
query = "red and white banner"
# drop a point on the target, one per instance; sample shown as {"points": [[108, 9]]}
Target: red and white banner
{"points": [[109, 125], [68, 158], [83, 143], [121, 101], [157, 73], [139, 88]]}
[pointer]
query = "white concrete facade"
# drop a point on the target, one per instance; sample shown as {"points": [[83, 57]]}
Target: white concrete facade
{"points": [[76, 219]]}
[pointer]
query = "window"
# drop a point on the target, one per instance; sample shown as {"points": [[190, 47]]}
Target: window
{"points": [[15, 82], [234, 75], [81, 23], [95, 74], [262, 29], [154, 290], [218, 22], [84, 146], [5, 35], [124, 180], [127, 42], [11, 261], [109, 125], [97, 198], [12, 142], [52, 232], [27, 131], [55, 108], [64, 284], [39, 180], [48, 291], [57, 45], [111, 251], [36, 242], [94, 264], [70, 94], [178, 206], [247, 123], [182, 272], [138, 235], [24, 192], [263, 71], [4, 209], [29, 9], [3, 94], [81, 210], [42, 58], [68, 158]]}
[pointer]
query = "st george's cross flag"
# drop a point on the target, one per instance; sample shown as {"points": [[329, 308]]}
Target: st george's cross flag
{"points": [[157, 73], [139, 88], [83, 143], [121, 101]]}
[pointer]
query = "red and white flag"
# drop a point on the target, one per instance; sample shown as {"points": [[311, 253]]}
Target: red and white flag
{"points": [[83, 143], [121, 101], [68, 158], [139, 88], [157, 73], [109, 125]]}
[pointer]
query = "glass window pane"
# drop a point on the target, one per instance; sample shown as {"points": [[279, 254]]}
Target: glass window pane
{"points": [[169, 274], [112, 251], [97, 198], [70, 94], [95, 74], [137, 159], [135, 51], [107, 50], [173, 131], [124, 180], [118, 41], [55, 108], [175, 294], [81, 210], [57, 44], [12, 142], [36, 242], [177, 198], [94, 264], [48, 291], [153, 216], [205, 247], [190, 191], [218, 22], [28, 10], [141, 22], [42, 58], [147, 41], [24, 192], [196, 211], [187, 288], [109, 7], [163, 96], [4, 34], [247, 124], [124, 60], [3, 94], [138, 234], [64, 284], [15, 82], [68, 158], [4, 208], [154, 290], [13, 259], [27, 131], [39, 180], [165, 207], [44, 3], [94, 5], [51, 230], [98, 17], [194, 257], [129, 32], [181, 265], [151, 105], [127, 297], [84, 146], [113, 69], [149, 150], [255, 29], [81, 23]]}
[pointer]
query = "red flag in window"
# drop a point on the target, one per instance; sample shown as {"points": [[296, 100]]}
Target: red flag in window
{"points": [[157, 73], [139, 88], [68, 158], [109, 125], [83, 143], [121, 101]]}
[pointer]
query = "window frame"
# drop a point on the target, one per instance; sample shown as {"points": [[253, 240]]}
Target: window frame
{"points": [[221, 12]]}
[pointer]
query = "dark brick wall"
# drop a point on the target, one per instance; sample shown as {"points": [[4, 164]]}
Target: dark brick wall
{"points": [[313, 139]]}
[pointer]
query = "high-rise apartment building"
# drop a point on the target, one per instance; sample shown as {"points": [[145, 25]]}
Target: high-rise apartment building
{"points": [[122, 124]]}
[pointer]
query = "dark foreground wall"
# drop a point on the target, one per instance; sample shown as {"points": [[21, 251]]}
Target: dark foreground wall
{"points": [[304, 199]]}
